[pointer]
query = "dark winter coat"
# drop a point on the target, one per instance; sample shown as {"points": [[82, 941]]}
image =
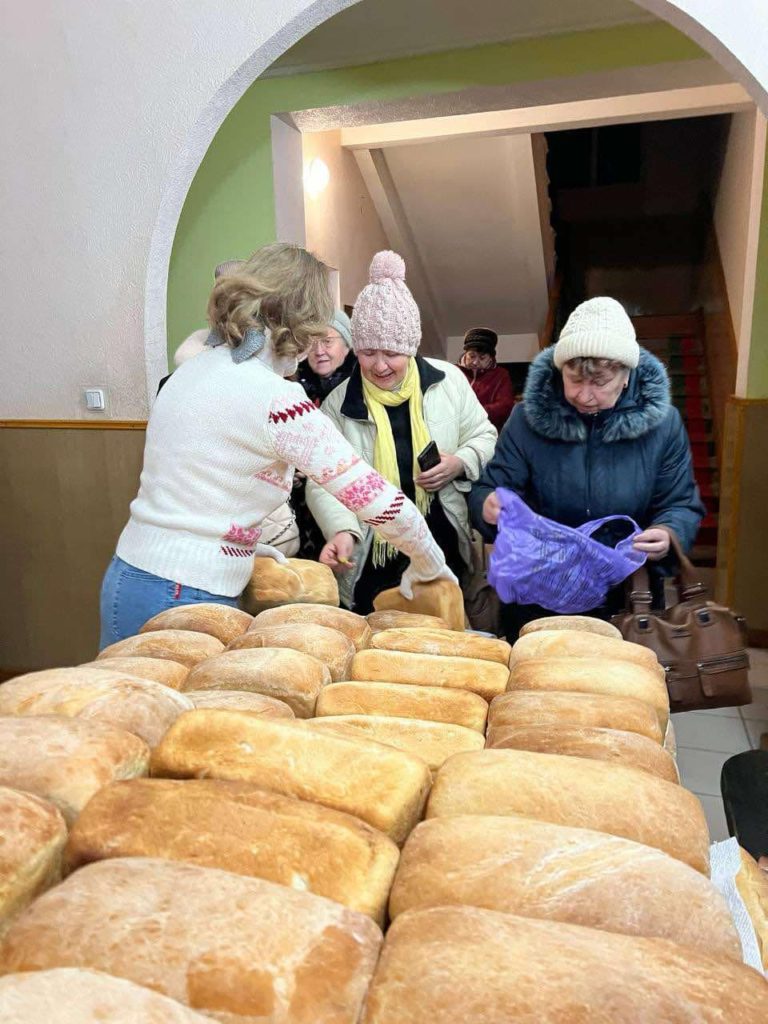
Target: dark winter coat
{"points": [[494, 391], [632, 460]]}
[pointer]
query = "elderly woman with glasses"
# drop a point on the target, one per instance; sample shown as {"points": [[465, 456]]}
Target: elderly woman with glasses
{"points": [[329, 361]]}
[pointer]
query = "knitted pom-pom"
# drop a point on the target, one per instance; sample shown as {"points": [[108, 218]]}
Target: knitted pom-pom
{"points": [[387, 264]]}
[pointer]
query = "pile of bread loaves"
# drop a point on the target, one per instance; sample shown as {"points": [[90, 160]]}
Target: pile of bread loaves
{"points": [[303, 816]]}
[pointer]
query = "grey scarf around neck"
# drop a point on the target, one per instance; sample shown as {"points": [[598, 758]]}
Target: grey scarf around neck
{"points": [[251, 345]]}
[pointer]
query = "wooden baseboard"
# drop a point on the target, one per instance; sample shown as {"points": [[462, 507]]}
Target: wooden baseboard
{"points": [[758, 637], [73, 424]]}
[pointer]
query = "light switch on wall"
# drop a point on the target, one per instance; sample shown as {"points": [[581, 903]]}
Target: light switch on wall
{"points": [[95, 399]]}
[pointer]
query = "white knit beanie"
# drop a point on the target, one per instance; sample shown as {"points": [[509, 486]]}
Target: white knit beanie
{"points": [[385, 314], [598, 329]]}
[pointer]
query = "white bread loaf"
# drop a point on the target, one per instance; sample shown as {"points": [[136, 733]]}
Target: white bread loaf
{"points": [[442, 598], [540, 707], [433, 742], [126, 702], [240, 700], [536, 869], [395, 619], [353, 626], [242, 950], [70, 995], [330, 646], [219, 620], [383, 786], [441, 641], [462, 965], [182, 645], [283, 674], [577, 792], [486, 678], [599, 675], [432, 703], [573, 643], [238, 827], [579, 622], [752, 883], [31, 845], [159, 670], [585, 741], [67, 760], [294, 581]]}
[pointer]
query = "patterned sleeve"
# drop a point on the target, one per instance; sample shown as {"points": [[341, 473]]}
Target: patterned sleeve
{"points": [[303, 437]]}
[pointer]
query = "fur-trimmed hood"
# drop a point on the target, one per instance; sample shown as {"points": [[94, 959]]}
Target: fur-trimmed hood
{"points": [[642, 406]]}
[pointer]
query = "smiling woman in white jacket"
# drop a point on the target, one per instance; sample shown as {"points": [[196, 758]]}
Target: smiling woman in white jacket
{"points": [[391, 407]]}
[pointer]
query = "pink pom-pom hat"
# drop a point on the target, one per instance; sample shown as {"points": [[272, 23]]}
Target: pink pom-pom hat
{"points": [[385, 315]]}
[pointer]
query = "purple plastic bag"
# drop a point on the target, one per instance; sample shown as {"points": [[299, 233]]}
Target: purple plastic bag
{"points": [[538, 561]]}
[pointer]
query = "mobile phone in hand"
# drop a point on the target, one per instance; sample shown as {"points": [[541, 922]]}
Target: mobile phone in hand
{"points": [[428, 458]]}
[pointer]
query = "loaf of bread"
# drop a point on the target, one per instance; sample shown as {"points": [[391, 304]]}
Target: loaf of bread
{"points": [[242, 950], [31, 844], [586, 741], [67, 760], [432, 703], [383, 786], [537, 707], [284, 674], [295, 581], [486, 678], [536, 869], [239, 827], [127, 702], [404, 620], [573, 643], [580, 622], [70, 995], [182, 645], [159, 670], [593, 675], [241, 700], [330, 646], [456, 965], [752, 883], [433, 742], [353, 626], [577, 792], [219, 620], [442, 598], [441, 641]]}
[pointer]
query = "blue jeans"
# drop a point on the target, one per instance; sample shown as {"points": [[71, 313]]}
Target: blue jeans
{"points": [[130, 596]]}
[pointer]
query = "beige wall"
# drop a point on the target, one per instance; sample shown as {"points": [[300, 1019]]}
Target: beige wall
{"points": [[342, 226]]}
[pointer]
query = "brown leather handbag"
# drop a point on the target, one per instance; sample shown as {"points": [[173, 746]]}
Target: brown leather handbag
{"points": [[701, 644]]}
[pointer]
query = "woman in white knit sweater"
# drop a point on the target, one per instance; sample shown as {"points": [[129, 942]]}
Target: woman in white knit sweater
{"points": [[225, 436]]}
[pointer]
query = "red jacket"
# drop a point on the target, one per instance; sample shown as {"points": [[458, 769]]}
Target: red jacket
{"points": [[494, 391]]}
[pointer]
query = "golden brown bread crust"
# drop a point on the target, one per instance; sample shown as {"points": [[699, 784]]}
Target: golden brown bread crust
{"points": [[219, 620], [442, 598], [486, 678], [578, 622], [585, 741], [241, 949], [383, 786], [159, 670], [455, 965], [752, 883], [31, 845], [440, 641], [536, 869], [238, 827], [295, 581], [395, 619], [241, 700], [333, 648], [572, 643], [182, 645], [353, 626], [542, 707], [284, 674], [577, 792], [432, 703]]}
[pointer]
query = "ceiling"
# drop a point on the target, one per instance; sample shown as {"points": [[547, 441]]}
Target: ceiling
{"points": [[376, 30]]}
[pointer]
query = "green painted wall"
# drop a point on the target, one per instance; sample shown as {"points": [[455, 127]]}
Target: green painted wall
{"points": [[229, 210], [757, 379]]}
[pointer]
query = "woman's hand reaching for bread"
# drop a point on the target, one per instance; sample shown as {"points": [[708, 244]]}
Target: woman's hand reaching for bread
{"points": [[409, 577], [338, 552]]}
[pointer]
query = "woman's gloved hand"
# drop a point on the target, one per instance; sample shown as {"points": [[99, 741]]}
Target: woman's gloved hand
{"points": [[267, 551], [410, 577]]}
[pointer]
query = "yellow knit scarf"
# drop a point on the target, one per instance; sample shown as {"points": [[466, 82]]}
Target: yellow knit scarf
{"points": [[384, 453]]}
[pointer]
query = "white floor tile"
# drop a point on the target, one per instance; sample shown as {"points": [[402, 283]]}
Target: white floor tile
{"points": [[711, 732], [755, 730], [700, 769], [713, 808], [757, 710], [715, 713]]}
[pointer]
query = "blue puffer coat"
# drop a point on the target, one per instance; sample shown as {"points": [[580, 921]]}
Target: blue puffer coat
{"points": [[632, 460]]}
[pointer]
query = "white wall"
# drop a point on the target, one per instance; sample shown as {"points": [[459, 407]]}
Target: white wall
{"points": [[512, 348]]}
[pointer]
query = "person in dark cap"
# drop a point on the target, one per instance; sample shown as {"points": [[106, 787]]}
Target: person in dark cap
{"points": [[491, 383]]}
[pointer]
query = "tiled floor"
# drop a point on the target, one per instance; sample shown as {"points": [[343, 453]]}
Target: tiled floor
{"points": [[705, 739]]}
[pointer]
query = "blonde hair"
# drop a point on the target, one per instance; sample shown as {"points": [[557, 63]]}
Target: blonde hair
{"points": [[281, 287]]}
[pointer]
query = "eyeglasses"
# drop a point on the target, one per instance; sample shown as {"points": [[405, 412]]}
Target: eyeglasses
{"points": [[322, 342]]}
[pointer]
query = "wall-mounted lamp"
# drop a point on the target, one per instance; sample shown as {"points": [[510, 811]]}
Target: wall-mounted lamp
{"points": [[316, 177]]}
